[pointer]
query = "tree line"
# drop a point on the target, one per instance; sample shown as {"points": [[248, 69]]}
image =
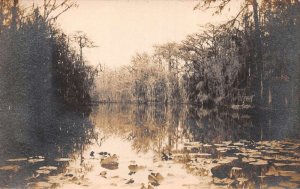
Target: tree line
{"points": [[250, 61], [42, 75]]}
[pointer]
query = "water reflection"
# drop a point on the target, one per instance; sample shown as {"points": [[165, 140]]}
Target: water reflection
{"points": [[223, 148], [149, 124], [130, 146], [30, 153]]}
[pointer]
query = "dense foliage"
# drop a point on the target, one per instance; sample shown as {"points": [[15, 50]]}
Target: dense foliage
{"points": [[250, 61], [40, 73], [73, 81]]}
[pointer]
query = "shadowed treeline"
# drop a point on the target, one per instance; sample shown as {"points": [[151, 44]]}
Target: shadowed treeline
{"points": [[41, 75], [45, 88]]}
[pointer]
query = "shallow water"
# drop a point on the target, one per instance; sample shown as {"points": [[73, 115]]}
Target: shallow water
{"points": [[154, 147]]}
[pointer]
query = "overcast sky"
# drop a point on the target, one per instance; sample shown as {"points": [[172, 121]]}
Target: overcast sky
{"points": [[123, 27]]}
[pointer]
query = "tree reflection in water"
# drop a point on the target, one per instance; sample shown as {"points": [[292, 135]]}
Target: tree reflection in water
{"points": [[235, 150], [217, 146], [26, 148], [160, 127]]}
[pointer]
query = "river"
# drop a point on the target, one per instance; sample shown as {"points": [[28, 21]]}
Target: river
{"points": [[148, 146]]}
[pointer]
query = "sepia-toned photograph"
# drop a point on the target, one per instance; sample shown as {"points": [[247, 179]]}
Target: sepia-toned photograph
{"points": [[149, 94]]}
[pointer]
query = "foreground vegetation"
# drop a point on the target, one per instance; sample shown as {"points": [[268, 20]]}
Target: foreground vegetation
{"points": [[45, 84], [40, 72]]}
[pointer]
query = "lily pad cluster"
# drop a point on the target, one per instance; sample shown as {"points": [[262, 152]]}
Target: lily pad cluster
{"points": [[244, 164]]}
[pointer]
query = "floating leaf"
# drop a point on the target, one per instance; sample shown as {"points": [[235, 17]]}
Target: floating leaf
{"points": [[13, 168], [63, 159], [17, 159], [259, 163]]}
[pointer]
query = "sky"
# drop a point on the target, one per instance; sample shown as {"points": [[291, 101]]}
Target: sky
{"points": [[121, 28]]}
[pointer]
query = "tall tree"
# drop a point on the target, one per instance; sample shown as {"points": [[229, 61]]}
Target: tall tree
{"points": [[219, 6]]}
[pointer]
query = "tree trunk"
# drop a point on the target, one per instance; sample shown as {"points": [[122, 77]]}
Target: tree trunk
{"points": [[14, 15], [1, 14], [258, 52]]}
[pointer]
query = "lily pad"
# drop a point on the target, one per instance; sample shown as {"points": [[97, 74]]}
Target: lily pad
{"points": [[13, 168], [288, 184], [17, 159], [224, 182], [238, 144], [130, 181], [110, 162], [272, 172], [259, 163], [289, 174], [43, 171], [103, 174], [63, 159], [49, 168], [155, 178], [248, 160], [35, 160], [227, 142], [40, 185]]}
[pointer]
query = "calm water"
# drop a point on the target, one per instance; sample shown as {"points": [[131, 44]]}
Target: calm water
{"points": [[154, 147]]}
